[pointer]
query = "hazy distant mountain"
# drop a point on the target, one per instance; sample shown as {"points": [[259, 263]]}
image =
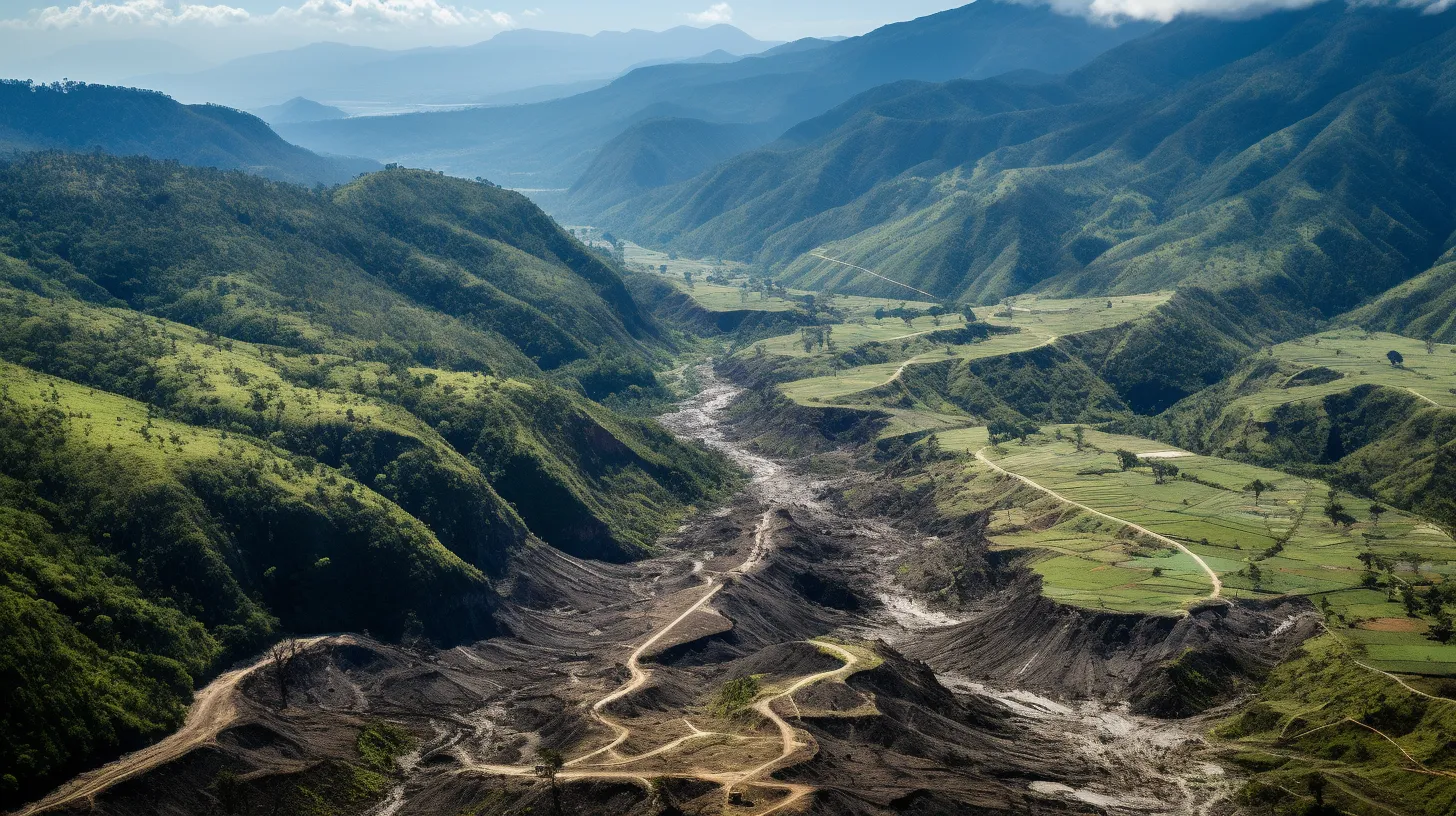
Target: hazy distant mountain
{"points": [[510, 61], [108, 62], [129, 122], [298, 109], [549, 145]]}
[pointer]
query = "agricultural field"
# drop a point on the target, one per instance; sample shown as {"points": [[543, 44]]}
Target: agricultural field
{"points": [[1041, 322], [731, 297], [711, 296], [1338, 361], [1288, 540]]}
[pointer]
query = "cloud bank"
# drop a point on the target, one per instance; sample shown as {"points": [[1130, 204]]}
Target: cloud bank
{"points": [[1114, 11], [340, 15], [713, 15]]}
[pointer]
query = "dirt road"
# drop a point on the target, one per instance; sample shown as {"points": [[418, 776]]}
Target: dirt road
{"points": [[213, 710], [1212, 576]]}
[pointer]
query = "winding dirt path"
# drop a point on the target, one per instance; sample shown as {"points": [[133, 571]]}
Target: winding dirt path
{"points": [[931, 357], [933, 298], [1426, 398], [614, 766], [213, 710], [1212, 576], [791, 743]]}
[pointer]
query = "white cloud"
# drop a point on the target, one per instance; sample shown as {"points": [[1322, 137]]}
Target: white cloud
{"points": [[351, 14], [713, 15], [342, 15], [1114, 11], [136, 12]]}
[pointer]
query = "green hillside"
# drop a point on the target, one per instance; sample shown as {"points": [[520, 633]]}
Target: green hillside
{"points": [[233, 408], [552, 144], [75, 116], [656, 153], [1424, 306], [1299, 158]]}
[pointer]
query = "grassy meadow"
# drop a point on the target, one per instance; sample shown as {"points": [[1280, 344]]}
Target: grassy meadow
{"points": [[1337, 361], [1282, 543], [1040, 322]]}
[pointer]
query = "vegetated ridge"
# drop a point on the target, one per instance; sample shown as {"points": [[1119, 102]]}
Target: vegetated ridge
{"points": [[128, 122], [549, 145], [234, 408]]}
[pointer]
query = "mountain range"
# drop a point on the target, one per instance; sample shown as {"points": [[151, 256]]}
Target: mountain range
{"points": [[1305, 154], [77, 117], [511, 61], [551, 144]]}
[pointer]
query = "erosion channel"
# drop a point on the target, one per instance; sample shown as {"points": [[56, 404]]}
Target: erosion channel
{"points": [[767, 662]]}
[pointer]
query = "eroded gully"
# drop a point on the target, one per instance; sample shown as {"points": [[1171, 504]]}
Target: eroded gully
{"points": [[1147, 765]]}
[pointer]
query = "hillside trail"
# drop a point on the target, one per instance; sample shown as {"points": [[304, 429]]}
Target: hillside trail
{"points": [[774, 487], [1426, 398], [824, 257], [932, 357], [1212, 576], [213, 710]]}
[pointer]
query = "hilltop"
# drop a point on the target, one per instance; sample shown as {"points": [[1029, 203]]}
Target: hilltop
{"points": [[127, 122]]}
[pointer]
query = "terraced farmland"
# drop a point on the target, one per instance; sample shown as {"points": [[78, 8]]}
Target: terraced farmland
{"points": [[1338, 361], [1040, 322], [729, 298], [1285, 542]]}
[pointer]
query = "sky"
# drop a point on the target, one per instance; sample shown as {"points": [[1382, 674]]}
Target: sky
{"points": [[184, 35], [219, 29]]}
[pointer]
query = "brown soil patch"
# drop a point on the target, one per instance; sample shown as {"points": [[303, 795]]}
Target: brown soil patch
{"points": [[1392, 625]]}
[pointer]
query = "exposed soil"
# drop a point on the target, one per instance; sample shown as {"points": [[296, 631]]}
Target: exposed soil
{"points": [[1008, 705]]}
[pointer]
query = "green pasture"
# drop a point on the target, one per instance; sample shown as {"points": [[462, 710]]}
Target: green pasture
{"points": [[1360, 359], [1040, 322], [1295, 549], [729, 298]]}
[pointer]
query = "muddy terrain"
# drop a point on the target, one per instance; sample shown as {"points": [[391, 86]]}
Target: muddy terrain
{"points": [[853, 696]]}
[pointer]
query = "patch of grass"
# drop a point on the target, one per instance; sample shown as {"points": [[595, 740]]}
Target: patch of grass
{"points": [[1381, 747], [1040, 324], [381, 743], [735, 696]]}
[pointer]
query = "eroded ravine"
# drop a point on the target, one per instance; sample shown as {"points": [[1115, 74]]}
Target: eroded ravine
{"points": [[1146, 765], [1140, 766]]}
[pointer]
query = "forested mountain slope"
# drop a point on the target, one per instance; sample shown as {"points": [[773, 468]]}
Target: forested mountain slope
{"points": [[550, 144], [1306, 154], [232, 408], [127, 122]]}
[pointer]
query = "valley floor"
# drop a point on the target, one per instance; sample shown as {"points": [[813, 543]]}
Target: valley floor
{"points": [[626, 670]]}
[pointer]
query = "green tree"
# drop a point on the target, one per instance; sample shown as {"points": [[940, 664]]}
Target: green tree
{"points": [[1079, 434], [1442, 630], [549, 763], [1257, 487], [1395, 358], [1127, 460], [1376, 511]]}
